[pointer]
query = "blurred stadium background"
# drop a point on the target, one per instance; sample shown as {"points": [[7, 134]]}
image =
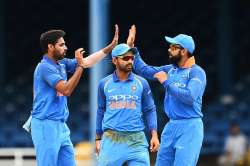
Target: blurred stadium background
{"points": [[219, 27]]}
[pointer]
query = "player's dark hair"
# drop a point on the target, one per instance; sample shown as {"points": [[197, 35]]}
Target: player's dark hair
{"points": [[189, 54], [50, 37]]}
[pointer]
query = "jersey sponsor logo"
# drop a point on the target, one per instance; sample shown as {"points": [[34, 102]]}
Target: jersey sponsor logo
{"points": [[197, 79], [182, 85], [123, 101], [184, 76], [123, 97], [122, 105]]}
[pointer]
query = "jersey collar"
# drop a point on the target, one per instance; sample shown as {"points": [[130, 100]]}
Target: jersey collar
{"points": [[130, 77], [189, 62], [48, 60]]}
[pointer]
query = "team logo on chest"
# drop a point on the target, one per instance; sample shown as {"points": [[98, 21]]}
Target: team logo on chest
{"points": [[133, 88]]}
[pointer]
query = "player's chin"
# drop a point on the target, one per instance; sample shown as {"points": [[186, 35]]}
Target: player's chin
{"points": [[62, 57], [129, 69]]}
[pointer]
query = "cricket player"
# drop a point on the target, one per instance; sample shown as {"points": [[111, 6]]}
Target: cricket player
{"points": [[124, 101], [184, 83], [50, 134]]}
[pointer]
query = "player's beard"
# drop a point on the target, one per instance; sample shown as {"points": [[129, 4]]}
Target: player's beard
{"points": [[175, 59], [58, 56], [125, 68]]}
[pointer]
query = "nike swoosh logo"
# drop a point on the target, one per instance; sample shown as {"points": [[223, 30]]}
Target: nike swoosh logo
{"points": [[179, 147], [111, 90]]}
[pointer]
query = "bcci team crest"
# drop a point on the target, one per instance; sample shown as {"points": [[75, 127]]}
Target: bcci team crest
{"points": [[133, 88]]}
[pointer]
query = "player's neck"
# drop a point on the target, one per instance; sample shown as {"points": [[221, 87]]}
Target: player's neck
{"points": [[187, 62], [122, 75], [50, 56]]}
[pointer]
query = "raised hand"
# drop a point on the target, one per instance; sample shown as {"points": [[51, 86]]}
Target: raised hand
{"points": [[131, 36], [79, 56], [114, 42]]}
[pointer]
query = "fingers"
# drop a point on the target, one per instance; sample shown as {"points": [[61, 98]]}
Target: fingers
{"points": [[97, 151], [116, 31], [154, 147], [156, 75], [116, 36], [151, 146], [79, 56], [80, 50], [131, 36], [133, 30], [97, 147]]}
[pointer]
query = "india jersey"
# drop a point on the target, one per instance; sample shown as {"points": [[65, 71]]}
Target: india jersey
{"points": [[122, 104], [184, 88], [47, 102]]}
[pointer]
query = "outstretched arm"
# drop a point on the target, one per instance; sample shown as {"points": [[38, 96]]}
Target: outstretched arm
{"points": [[92, 59], [140, 66]]}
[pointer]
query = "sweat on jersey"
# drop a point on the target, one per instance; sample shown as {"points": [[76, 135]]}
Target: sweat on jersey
{"points": [[184, 87], [122, 104], [47, 102]]}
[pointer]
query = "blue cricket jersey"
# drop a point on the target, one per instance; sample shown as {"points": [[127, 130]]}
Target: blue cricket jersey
{"points": [[47, 102], [184, 88], [121, 104]]}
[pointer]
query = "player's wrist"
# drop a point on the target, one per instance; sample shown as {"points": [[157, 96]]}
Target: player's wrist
{"points": [[154, 133], [98, 139], [80, 66]]}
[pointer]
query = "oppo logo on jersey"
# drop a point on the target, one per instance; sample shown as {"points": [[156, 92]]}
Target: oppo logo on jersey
{"points": [[123, 97], [180, 84]]}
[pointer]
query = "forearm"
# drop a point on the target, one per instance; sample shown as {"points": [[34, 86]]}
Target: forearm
{"points": [[92, 59], [70, 85], [151, 119], [99, 118], [186, 95], [108, 49], [144, 70], [154, 133]]}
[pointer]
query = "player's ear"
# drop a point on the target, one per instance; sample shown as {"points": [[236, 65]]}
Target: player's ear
{"points": [[50, 46], [114, 61], [184, 51]]}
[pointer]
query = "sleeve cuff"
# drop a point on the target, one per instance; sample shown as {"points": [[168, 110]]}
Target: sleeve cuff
{"points": [[99, 132], [56, 82], [136, 52], [166, 83]]}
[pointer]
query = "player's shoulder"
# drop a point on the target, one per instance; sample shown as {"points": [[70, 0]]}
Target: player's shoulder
{"points": [[44, 66], [198, 69], [140, 79], [106, 79]]}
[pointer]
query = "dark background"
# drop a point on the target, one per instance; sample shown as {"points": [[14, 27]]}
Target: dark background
{"points": [[220, 29]]}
